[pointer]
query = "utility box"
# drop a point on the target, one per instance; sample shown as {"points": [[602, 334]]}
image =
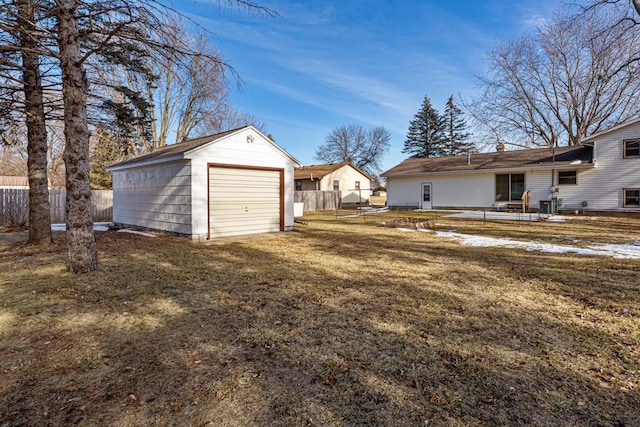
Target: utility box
{"points": [[547, 207]]}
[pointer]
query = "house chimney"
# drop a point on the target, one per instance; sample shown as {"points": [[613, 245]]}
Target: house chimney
{"points": [[501, 146]]}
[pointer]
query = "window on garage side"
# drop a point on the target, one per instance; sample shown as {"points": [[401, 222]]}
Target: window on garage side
{"points": [[336, 185], [631, 197], [298, 185], [357, 185], [631, 148], [567, 177], [509, 187]]}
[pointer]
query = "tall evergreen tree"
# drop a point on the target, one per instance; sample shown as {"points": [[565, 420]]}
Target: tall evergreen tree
{"points": [[425, 137], [455, 130]]}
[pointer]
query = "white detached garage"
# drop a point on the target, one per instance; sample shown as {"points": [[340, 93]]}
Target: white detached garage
{"points": [[232, 183]]}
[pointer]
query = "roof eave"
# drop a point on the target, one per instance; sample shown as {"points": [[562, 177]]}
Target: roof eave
{"points": [[584, 165], [117, 167]]}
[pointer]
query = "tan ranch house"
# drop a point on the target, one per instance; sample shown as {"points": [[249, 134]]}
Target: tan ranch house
{"points": [[353, 183], [600, 174]]}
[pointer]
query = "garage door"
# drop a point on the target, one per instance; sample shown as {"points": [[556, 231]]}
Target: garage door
{"points": [[244, 201]]}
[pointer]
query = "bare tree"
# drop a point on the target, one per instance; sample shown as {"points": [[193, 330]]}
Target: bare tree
{"points": [[352, 143], [560, 84]]}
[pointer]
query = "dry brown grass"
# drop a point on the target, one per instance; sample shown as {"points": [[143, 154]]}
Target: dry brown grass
{"points": [[341, 323]]}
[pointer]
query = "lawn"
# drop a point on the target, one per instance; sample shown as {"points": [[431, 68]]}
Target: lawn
{"points": [[343, 322]]}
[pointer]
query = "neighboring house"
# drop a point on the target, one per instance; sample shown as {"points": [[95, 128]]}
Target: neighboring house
{"points": [[232, 183], [353, 183], [601, 174]]}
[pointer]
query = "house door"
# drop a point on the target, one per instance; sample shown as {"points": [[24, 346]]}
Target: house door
{"points": [[425, 202]]}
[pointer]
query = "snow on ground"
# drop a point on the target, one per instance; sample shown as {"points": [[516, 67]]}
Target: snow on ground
{"points": [[629, 250], [560, 218], [125, 230], [97, 226]]}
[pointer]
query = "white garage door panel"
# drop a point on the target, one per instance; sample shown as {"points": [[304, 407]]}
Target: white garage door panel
{"points": [[243, 201]]}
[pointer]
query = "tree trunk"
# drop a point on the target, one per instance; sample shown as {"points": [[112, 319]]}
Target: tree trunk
{"points": [[39, 211], [83, 254]]}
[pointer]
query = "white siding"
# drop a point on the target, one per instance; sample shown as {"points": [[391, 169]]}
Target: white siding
{"points": [[602, 186], [243, 201], [462, 190], [235, 150], [538, 184], [157, 196]]}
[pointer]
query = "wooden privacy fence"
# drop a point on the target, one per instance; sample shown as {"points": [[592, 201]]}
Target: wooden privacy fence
{"points": [[14, 205], [318, 200]]}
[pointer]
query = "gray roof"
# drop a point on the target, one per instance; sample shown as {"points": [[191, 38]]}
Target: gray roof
{"points": [[517, 159]]}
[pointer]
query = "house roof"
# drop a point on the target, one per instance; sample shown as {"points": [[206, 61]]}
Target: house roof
{"points": [[177, 151], [536, 158], [320, 171]]}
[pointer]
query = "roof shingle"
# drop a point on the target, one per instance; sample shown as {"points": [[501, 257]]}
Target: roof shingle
{"points": [[320, 171], [175, 149], [495, 160]]}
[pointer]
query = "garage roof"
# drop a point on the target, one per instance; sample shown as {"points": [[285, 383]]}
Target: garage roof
{"points": [[177, 151]]}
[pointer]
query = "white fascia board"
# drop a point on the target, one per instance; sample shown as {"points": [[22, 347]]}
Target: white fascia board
{"points": [[146, 163]]}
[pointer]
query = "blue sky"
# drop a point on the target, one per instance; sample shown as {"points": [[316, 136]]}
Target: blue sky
{"points": [[321, 64]]}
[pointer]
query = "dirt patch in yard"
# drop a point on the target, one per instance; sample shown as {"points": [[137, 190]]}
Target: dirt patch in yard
{"points": [[345, 323]]}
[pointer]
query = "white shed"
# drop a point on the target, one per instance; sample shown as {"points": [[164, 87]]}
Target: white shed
{"points": [[232, 183]]}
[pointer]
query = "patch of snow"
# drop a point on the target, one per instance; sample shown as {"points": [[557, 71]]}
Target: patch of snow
{"points": [[124, 230], [629, 251], [560, 218], [97, 226]]}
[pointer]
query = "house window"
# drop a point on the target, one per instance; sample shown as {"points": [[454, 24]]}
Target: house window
{"points": [[631, 148], [509, 187], [298, 185], [631, 197], [567, 177], [336, 185], [357, 185]]}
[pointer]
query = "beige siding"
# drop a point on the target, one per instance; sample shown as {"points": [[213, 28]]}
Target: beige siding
{"points": [[235, 150], [157, 196], [348, 177], [243, 201], [308, 185]]}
